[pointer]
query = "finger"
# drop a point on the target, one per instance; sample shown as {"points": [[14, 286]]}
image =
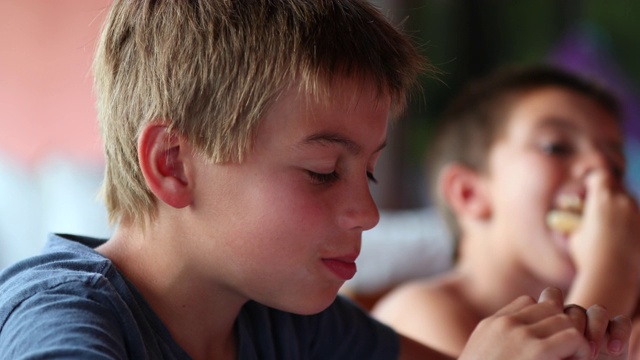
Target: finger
{"points": [[552, 324], [538, 312], [552, 296], [568, 344], [526, 311], [578, 316], [597, 324], [619, 333], [516, 305], [597, 179]]}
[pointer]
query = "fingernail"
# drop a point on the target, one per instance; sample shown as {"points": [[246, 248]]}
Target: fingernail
{"points": [[615, 346]]}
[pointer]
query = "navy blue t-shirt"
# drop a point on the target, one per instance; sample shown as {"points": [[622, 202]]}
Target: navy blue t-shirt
{"points": [[71, 302]]}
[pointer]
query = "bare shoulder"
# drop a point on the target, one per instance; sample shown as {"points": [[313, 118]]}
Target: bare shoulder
{"points": [[434, 312], [441, 294]]}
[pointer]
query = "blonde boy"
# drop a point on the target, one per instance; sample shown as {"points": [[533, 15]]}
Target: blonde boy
{"points": [[241, 139]]}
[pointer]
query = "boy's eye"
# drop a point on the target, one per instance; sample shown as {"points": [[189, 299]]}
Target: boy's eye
{"points": [[557, 148], [329, 178], [322, 178]]}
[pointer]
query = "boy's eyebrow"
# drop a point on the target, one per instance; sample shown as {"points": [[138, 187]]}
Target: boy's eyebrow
{"points": [[335, 138], [555, 122]]}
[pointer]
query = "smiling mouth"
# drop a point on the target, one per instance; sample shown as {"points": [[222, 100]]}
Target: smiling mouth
{"points": [[566, 218]]}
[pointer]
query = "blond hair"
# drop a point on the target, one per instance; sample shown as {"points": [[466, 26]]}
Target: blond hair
{"points": [[211, 68]]}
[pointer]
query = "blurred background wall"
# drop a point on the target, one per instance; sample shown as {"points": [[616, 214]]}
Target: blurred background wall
{"points": [[46, 49], [50, 151]]}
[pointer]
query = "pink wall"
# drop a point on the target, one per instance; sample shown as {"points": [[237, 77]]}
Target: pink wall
{"points": [[46, 100]]}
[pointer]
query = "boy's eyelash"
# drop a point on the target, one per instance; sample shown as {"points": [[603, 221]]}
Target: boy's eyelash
{"points": [[322, 179], [329, 178], [556, 148]]}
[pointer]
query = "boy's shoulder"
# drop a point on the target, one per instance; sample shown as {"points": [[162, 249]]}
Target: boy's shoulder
{"points": [[433, 310], [64, 260], [434, 294], [71, 299]]}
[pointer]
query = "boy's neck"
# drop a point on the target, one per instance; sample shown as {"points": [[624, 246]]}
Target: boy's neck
{"points": [[490, 279], [177, 293]]}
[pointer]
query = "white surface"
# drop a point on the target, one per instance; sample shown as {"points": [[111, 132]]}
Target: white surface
{"points": [[58, 196], [404, 245]]}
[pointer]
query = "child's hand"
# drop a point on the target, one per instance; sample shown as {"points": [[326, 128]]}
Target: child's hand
{"points": [[608, 339], [528, 330], [606, 248], [610, 226]]}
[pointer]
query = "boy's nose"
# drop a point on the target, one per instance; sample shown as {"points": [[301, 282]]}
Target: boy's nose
{"points": [[360, 210]]}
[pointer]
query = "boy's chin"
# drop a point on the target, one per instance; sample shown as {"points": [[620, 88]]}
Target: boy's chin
{"points": [[309, 305]]}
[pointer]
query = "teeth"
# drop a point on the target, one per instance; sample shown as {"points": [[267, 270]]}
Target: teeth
{"points": [[570, 202], [563, 221]]}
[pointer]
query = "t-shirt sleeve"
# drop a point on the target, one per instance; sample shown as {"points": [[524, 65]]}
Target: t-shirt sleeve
{"points": [[68, 321]]}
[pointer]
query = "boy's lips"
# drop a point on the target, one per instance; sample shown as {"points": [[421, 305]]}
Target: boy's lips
{"points": [[344, 266]]}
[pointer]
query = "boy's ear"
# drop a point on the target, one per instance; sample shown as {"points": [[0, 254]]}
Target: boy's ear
{"points": [[164, 159], [464, 191]]}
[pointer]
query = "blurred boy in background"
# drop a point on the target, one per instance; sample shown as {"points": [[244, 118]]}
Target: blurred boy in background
{"points": [[528, 171]]}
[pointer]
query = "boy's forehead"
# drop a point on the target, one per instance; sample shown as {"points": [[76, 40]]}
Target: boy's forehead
{"points": [[561, 110], [296, 112], [561, 107]]}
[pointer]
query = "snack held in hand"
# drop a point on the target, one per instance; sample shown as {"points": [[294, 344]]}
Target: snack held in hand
{"points": [[567, 216]]}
